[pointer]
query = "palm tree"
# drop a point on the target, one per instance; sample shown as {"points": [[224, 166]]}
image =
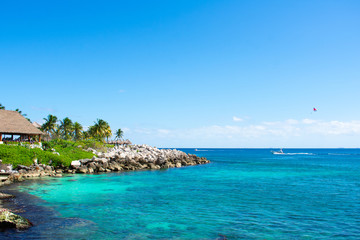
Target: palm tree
{"points": [[119, 134], [66, 126], [91, 132], [50, 125], [86, 134], [107, 132], [96, 130], [100, 130], [78, 131], [57, 133], [2, 106]]}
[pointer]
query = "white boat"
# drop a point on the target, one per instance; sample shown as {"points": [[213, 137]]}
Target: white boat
{"points": [[278, 152]]}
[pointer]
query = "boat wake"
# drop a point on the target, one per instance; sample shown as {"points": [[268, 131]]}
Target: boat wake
{"points": [[317, 154], [299, 154], [287, 154]]}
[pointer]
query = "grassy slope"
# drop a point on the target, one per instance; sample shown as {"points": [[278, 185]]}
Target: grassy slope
{"points": [[68, 150]]}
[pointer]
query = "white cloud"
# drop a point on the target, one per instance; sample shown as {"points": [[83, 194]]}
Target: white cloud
{"points": [[286, 133], [143, 131], [270, 123], [292, 121], [163, 131], [308, 121], [126, 129], [237, 119], [336, 127]]}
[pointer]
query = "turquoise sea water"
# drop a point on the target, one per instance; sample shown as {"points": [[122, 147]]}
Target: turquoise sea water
{"points": [[241, 194]]}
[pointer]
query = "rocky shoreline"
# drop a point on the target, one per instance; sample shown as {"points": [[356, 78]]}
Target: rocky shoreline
{"points": [[119, 158]]}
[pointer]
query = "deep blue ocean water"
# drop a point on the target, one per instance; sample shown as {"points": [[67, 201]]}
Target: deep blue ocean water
{"points": [[241, 194]]}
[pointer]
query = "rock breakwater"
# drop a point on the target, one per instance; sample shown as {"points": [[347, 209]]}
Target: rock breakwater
{"points": [[119, 158], [136, 157]]}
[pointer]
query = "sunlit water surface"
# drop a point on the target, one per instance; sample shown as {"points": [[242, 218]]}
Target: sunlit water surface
{"points": [[242, 194]]}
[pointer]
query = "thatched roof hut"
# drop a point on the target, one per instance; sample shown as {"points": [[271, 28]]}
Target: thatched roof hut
{"points": [[120, 142], [37, 125], [13, 123]]}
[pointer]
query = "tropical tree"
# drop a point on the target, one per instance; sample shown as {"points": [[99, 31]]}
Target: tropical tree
{"points": [[95, 131], [50, 124], [107, 132], [85, 134], [2, 106], [78, 131], [66, 127], [57, 133], [119, 134], [100, 130]]}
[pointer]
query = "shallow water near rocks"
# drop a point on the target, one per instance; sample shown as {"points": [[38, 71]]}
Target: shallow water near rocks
{"points": [[241, 194]]}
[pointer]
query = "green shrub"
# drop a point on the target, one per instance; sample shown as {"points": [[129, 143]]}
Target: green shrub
{"points": [[15, 154], [92, 143]]}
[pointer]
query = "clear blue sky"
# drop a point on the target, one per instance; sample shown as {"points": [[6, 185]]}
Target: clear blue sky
{"points": [[215, 73]]}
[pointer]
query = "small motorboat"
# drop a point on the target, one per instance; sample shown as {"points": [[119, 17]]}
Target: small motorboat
{"points": [[278, 152]]}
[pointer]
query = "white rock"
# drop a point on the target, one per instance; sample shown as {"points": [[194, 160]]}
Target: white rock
{"points": [[76, 163]]}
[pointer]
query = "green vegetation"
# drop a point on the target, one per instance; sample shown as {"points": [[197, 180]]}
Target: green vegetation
{"points": [[78, 131], [119, 134], [68, 130], [16, 154], [66, 127], [100, 130], [65, 137], [50, 124]]}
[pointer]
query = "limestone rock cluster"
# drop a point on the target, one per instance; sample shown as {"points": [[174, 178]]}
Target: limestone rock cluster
{"points": [[12, 220], [119, 158], [22, 172], [135, 157]]}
